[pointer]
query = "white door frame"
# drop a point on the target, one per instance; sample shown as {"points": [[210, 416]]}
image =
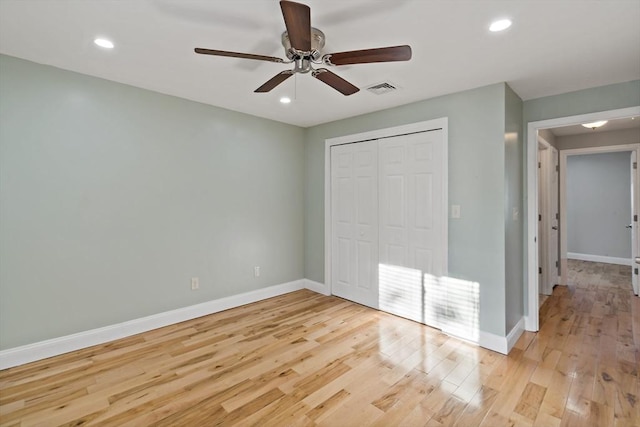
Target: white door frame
{"points": [[441, 123], [531, 237]]}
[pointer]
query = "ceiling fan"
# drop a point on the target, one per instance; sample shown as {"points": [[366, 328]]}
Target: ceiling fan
{"points": [[303, 46]]}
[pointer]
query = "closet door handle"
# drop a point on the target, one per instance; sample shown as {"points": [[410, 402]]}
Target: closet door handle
{"points": [[628, 226], [555, 227]]}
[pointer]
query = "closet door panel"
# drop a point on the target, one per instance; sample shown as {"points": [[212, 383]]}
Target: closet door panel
{"points": [[354, 222], [411, 217]]}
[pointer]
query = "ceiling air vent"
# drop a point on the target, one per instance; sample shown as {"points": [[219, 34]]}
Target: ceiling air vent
{"points": [[382, 88]]}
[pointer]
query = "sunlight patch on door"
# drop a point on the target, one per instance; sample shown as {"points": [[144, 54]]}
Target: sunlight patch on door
{"points": [[447, 303], [400, 291]]}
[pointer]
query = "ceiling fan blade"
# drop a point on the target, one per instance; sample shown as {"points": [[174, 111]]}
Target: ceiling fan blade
{"points": [[365, 56], [275, 81], [297, 19], [237, 55], [335, 81]]}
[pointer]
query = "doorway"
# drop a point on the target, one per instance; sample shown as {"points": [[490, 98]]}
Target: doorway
{"points": [[532, 233], [598, 205]]}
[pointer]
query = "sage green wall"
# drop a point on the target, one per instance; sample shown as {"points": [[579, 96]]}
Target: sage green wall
{"points": [[476, 183], [513, 236], [603, 98], [113, 197]]}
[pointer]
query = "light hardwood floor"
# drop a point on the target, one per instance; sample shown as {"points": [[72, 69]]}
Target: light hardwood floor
{"points": [[304, 359]]}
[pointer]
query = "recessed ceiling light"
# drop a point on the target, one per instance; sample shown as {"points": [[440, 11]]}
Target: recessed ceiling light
{"points": [[107, 44], [500, 25], [594, 125], [285, 100]]}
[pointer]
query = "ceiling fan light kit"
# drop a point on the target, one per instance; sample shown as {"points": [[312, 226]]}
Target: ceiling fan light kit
{"points": [[303, 45]]}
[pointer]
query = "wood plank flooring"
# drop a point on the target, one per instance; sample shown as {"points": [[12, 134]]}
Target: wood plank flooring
{"points": [[304, 359]]}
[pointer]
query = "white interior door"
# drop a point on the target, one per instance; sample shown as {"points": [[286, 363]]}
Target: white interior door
{"points": [[635, 201], [354, 222], [412, 207], [548, 217], [553, 223]]}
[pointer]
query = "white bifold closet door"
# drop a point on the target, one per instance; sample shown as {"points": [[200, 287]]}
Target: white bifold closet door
{"points": [[354, 222], [412, 251], [388, 215]]}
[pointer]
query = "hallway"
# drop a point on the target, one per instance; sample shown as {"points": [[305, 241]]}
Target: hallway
{"points": [[589, 347]]}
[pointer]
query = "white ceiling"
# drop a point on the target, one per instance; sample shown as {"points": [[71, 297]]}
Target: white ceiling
{"points": [[553, 47]]}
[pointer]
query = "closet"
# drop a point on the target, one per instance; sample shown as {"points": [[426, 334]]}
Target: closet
{"points": [[388, 223]]}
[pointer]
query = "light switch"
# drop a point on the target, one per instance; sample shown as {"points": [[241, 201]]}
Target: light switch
{"points": [[455, 211]]}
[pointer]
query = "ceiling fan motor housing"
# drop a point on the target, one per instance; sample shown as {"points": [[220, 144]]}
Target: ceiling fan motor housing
{"points": [[317, 44]]}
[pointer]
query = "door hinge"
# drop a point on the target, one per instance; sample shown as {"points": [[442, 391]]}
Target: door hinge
{"points": [[635, 218], [539, 217], [556, 264], [635, 165], [540, 270], [539, 165], [635, 271]]}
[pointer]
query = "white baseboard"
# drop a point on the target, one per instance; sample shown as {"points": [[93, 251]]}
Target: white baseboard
{"points": [[493, 342], [56, 346], [502, 344], [600, 258], [318, 287], [514, 334]]}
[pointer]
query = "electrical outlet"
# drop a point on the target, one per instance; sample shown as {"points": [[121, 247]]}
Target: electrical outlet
{"points": [[256, 271], [195, 283]]}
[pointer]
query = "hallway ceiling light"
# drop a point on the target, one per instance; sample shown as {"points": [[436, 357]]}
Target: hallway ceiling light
{"points": [[500, 25], [595, 125]]}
